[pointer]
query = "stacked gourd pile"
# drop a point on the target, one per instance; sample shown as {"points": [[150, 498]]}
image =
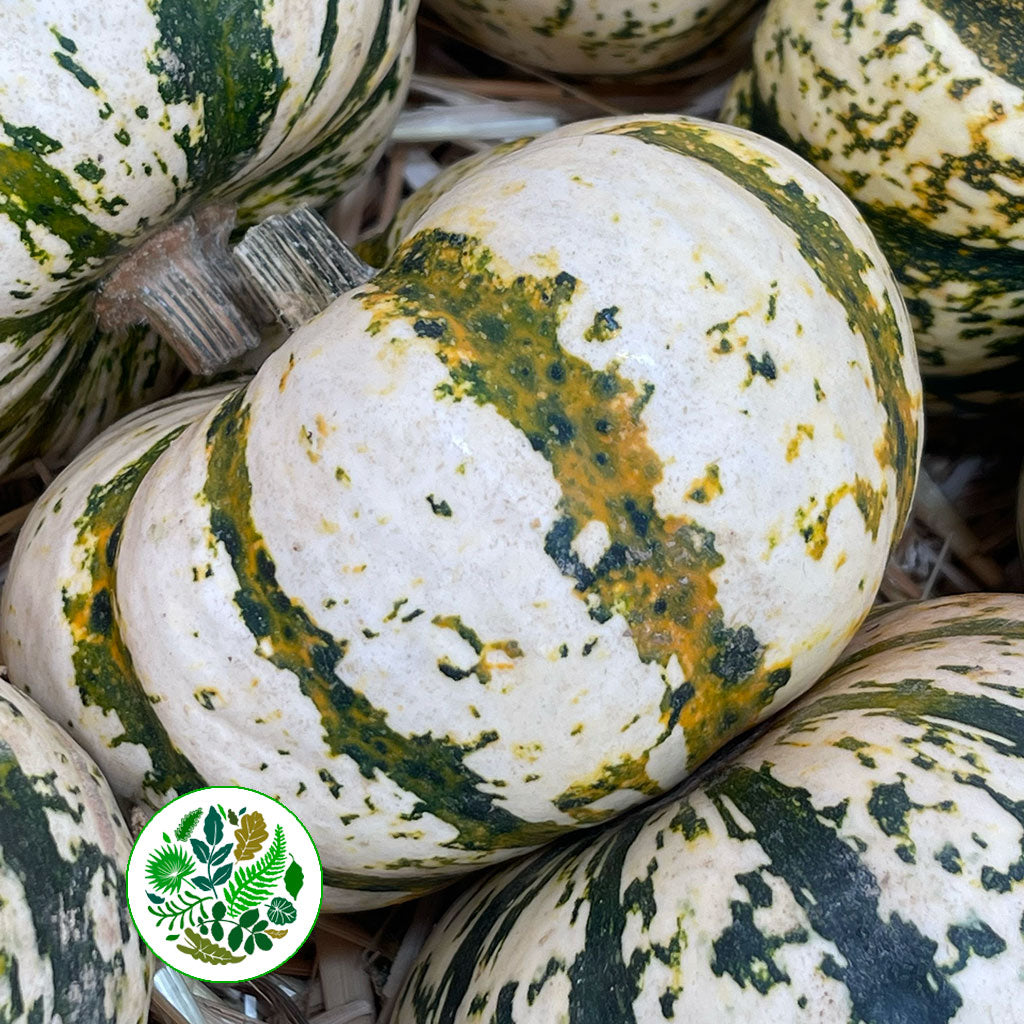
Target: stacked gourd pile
{"points": [[601, 470]]}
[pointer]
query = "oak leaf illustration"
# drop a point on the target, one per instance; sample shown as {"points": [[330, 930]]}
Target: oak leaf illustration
{"points": [[251, 835], [207, 950]]}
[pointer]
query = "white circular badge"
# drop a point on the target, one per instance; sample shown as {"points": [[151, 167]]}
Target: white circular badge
{"points": [[224, 884]]}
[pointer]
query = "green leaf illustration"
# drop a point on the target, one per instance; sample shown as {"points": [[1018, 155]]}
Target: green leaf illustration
{"points": [[217, 930], [167, 868], [232, 817], [218, 910], [293, 878], [213, 826], [281, 911], [207, 950], [221, 854], [253, 883], [248, 919], [235, 937], [153, 898], [188, 824], [250, 944], [263, 940], [174, 913], [201, 850], [251, 835], [222, 874]]}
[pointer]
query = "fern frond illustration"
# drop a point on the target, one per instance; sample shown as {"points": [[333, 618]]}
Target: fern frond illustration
{"points": [[187, 825], [166, 869], [174, 914], [253, 884]]}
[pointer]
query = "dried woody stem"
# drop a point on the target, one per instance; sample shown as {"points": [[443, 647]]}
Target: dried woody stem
{"points": [[211, 304]]}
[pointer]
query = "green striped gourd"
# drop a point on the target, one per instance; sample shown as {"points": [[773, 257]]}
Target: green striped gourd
{"points": [[861, 860], [116, 119], [69, 952], [473, 561], [602, 37], [916, 109]]}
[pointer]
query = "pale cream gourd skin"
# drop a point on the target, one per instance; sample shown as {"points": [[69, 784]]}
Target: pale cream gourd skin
{"points": [[916, 109], [118, 119], [593, 37], [68, 949], [602, 468], [859, 860]]}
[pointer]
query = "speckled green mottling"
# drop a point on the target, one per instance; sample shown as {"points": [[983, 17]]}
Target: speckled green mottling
{"points": [[977, 938], [103, 667], [554, 23], [318, 172], [993, 626], [746, 954], [25, 425], [484, 935], [921, 703], [218, 55], [498, 340], [33, 193], [431, 767], [63, 926], [994, 31], [889, 967], [840, 267]]}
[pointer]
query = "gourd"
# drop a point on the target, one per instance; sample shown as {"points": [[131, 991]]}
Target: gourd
{"points": [[605, 37], [68, 949], [513, 536], [859, 860], [119, 120], [916, 109]]}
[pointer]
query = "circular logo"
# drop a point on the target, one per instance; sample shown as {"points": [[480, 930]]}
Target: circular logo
{"points": [[224, 884]]}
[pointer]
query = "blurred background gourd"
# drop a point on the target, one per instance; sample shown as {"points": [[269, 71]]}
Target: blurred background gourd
{"points": [[916, 109]]}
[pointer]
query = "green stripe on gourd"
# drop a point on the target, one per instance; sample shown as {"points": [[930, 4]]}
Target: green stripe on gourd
{"points": [[68, 950], [859, 859], [32, 192], [30, 851], [431, 768], [498, 340], [319, 174], [103, 664], [218, 57], [841, 267], [62, 385]]}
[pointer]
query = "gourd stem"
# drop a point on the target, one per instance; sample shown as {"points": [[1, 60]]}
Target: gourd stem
{"points": [[211, 303], [297, 265], [184, 284]]}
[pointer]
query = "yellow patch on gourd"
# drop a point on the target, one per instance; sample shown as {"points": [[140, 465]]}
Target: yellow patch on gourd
{"points": [[498, 339], [812, 521], [706, 488], [804, 431]]}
